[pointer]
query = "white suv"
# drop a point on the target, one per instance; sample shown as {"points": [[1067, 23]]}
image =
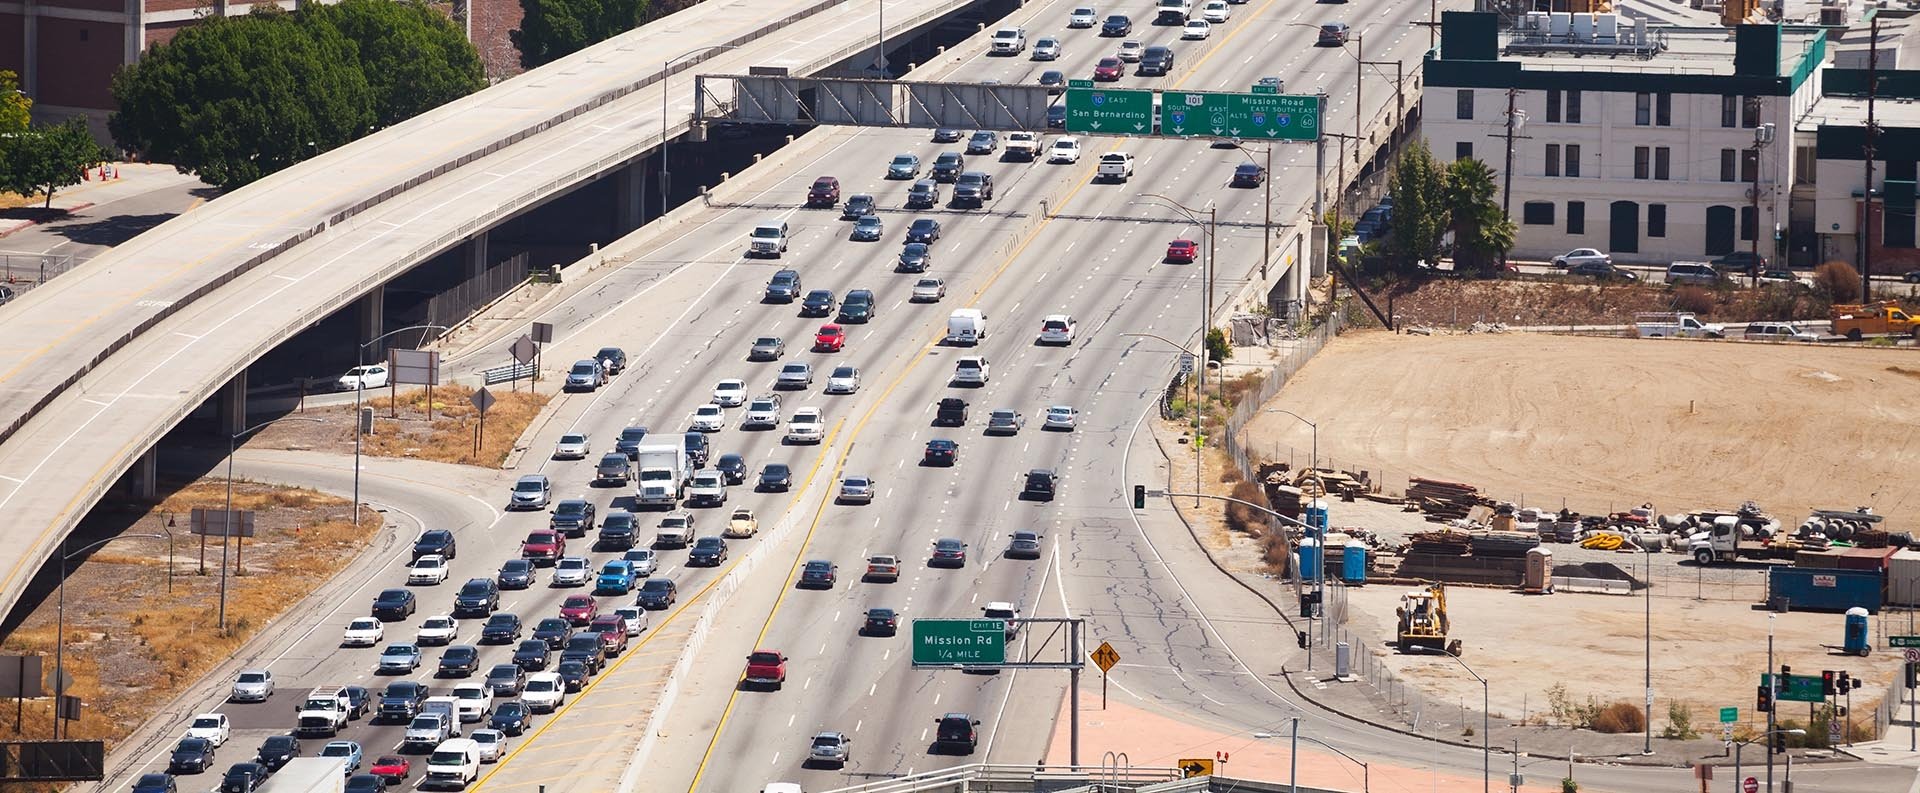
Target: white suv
{"points": [[1009, 41], [806, 426], [763, 411], [971, 370], [1057, 329]]}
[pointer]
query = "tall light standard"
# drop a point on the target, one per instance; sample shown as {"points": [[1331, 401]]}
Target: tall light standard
{"points": [[226, 530], [880, 45], [1486, 718], [1738, 745], [60, 612], [1206, 272], [1315, 460], [1293, 768], [1648, 748], [1266, 202], [1359, 55], [1196, 412], [666, 73], [359, 390]]}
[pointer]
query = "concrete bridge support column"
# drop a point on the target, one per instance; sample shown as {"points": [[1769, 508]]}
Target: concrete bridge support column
{"points": [[233, 405], [629, 198], [372, 323], [140, 481]]}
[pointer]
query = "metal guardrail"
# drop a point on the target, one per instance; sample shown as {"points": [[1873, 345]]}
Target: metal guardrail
{"points": [[1009, 777], [502, 374]]}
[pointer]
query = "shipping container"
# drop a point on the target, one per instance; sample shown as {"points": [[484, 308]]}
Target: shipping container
{"points": [[1864, 558], [1833, 589], [1903, 578]]}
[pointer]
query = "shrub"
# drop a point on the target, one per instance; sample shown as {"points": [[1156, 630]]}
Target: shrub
{"points": [[1837, 282], [1679, 723], [1241, 517], [1620, 717], [1693, 299]]}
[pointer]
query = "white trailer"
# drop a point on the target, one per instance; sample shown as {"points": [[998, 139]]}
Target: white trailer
{"points": [[663, 474], [308, 775]]}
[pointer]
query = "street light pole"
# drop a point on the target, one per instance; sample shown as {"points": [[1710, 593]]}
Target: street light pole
{"points": [[1196, 411], [1366, 775], [1486, 717], [1648, 596], [666, 74], [226, 530], [1315, 461], [60, 613], [359, 389]]}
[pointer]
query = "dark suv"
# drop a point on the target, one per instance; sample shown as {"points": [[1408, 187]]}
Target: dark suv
{"points": [[824, 193], [1156, 60], [948, 165], [784, 287], [972, 189], [614, 358], [952, 412], [586, 648], [619, 531], [859, 306], [923, 194], [1041, 484], [478, 597], [434, 541], [573, 517], [956, 733]]}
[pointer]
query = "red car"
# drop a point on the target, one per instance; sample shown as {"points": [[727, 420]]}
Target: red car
{"points": [[391, 767], [830, 338], [1108, 69], [766, 668], [1182, 251], [544, 546], [613, 633], [579, 609]]}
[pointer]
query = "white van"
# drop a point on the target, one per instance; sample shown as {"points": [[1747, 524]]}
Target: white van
{"points": [[454, 764], [448, 708], [967, 326]]}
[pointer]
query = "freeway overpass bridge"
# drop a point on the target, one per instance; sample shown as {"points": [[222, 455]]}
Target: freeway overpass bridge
{"points": [[99, 364]]}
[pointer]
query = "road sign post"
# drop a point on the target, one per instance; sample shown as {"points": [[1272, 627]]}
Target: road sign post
{"points": [[1105, 657], [1796, 688], [1111, 112], [1903, 641], [959, 642]]}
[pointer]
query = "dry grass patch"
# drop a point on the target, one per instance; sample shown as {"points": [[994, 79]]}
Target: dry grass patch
{"points": [[450, 435]]}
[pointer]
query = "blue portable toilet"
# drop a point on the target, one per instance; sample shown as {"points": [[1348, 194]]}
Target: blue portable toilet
{"points": [[1856, 643], [1309, 559], [1316, 518], [1353, 562]]}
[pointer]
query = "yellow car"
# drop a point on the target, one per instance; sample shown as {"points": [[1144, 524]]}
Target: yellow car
{"points": [[741, 524]]}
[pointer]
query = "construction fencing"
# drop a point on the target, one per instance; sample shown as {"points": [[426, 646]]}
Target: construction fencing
{"points": [[1298, 352], [24, 270]]}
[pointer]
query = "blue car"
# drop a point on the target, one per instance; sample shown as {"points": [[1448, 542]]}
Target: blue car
{"points": [[616, 578], [509, 717], [347, 750]]}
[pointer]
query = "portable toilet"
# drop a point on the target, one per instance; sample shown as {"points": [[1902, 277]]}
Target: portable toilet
{"points": [[1539, 576], [1309, 559], [1856, 643], [1353, 562], [1316, 518]]}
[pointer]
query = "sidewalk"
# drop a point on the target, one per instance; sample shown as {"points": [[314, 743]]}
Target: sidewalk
{"points": [[134, 179]]}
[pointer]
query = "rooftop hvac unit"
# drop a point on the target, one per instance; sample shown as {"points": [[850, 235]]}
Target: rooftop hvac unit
{"points": [[1534, 22], [1561, 24], [1606, 28], [1583, 28]]}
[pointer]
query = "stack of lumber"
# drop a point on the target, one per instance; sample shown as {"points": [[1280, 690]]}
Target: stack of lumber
{"points": [[1443, 500], [1869, 538], [1504, 543], [1441, 543]]}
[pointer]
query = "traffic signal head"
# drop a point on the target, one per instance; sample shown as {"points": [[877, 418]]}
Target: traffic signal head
{"points": [[1913, 675], [1826, 682], [1302, 637], [1779, 743], [1139, 496], [1764, 700], [1844, 684]]}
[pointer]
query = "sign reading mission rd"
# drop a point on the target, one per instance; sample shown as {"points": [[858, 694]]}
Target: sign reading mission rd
{"points": [[950, 642]]}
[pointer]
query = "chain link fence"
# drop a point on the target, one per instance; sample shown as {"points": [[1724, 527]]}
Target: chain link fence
{"points": [[1299, 351], [26, 270], [451, 307]]}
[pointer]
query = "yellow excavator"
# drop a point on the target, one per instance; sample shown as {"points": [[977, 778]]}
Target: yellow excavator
{"points": [[1423, 620]]}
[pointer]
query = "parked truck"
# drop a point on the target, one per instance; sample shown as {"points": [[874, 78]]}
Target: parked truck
{"points": [[1658, 324], [663, 474], [1727, 538], [324, 712], [308, 775], [1879, 318]]}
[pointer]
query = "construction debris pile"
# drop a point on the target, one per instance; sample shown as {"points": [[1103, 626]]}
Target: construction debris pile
{"points": [[1442, 501]]}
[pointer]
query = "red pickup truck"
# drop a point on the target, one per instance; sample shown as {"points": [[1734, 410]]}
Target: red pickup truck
{"points": [[544, 546], [766, 668]]}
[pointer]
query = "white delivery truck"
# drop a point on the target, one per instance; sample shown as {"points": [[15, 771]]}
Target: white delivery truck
{"points": [[308, 775], [663, 473], [1175, 12], [967, 326]]}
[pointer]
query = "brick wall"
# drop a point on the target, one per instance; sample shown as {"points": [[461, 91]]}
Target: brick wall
{"points": [[493, 22]]}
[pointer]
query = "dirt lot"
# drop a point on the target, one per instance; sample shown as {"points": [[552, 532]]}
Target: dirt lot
{"points": [[446, 431], [1607, 422]]}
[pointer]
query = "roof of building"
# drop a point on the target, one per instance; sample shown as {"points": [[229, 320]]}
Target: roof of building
{"points": [[1540, 49], [1671, 50]]}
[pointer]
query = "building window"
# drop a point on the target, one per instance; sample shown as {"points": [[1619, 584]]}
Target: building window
{"points": [[1553, 105], [1749, 165], [1641, 159], [1537, 213], [1729, 111], [1573, 157], [83, 34], [1663, 109], [1747, 218], [1805, 164], [1576, 217], [1573, 107], [1726, 165], [1553, 159], [1463, 104], [1750, 112], [1656, 220], [1463, 150], [1662, 162], [1642, 109]]}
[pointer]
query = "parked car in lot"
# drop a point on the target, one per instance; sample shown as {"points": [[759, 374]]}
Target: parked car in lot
{"points": [[1579, 255], [1602, 271]]}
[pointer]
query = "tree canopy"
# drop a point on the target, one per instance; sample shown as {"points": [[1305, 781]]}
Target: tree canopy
{"points": [[47, 158], [15, 108], [1482, 233], [236, 99], [1419, 211], [1431, 201], [553, 29]]}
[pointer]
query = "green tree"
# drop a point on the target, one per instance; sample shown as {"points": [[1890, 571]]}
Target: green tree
{"points": [[553, 29], [1482, 233], [414, 57], [47, 158], [1419, 191], [234, 100], [16, 110]]}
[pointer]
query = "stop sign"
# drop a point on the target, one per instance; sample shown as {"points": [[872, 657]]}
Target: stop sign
{"points": [[1750, 785]]}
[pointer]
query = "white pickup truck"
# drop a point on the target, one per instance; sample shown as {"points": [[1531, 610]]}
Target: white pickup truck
{"points": [[324, 713], [1654, 325], [1115, 167], [1023, 146]]}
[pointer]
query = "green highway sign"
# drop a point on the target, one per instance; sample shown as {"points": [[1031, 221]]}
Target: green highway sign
{"points": [[1266, 89], [1079, 83], [1903, 641], [1798, 688], [1258, 116], [1728, 715], [1113, 112], [938, 642]]}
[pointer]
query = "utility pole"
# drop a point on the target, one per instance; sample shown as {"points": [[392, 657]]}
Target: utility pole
{"points": [[1266, 228], [1506, 174], [1866, 188]]}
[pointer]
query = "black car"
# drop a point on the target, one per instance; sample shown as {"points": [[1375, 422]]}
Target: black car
{"points": [[707, 552], [155, 783], [358, 700], [947, 166], [924, 230], [914, 258], [1041, 484], [1116, 25], [460, 660], [1053, 78], [394, 604], [191, 756], [401, 700], [614, 358], [509, 717], [1739, 263], [586, 648], [532, 655], [629, 441], [619, 531], [733, 466], [365, 783], [857, 207], [951, 412], [1056, 116], [1248, 174], [941, 451], [818, 303], [515, 574], [819, 574], [477, 597], [276, 750], [1024, 545], [1602, 271], [555, 631], [697, 447], [955, 733], [656, 594], [776, 477], [506, 680], [501, 628], [244, 778], [573, 674], [881, 622], [572, 516], [435, 541], [948, 552], [859, 306]]}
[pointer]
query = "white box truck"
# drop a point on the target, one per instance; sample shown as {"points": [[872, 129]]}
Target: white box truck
{"points": [[308, 775], [1174, 12], [663, 473], [967, 326]]}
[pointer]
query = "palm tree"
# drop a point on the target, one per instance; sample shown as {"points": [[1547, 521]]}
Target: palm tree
{"points": [[1482, 232]]}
